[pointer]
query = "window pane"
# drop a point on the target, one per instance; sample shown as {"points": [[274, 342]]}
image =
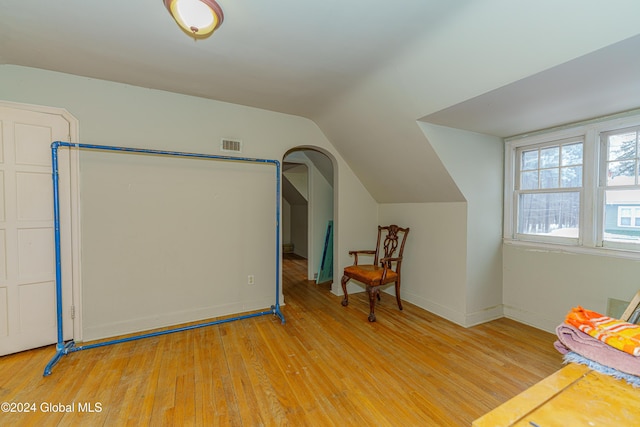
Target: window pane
{"points": [[571, 177], [572, 154], [622, 146], [621, 173], [529, 160], [549, 178], [622, 215], [551, 214], [529, 180], [549, 157]]}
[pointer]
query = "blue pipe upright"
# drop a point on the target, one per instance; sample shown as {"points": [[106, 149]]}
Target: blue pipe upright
{"points": [[276, 307], [63, 348]]}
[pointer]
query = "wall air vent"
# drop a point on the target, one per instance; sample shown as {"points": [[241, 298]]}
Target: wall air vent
{"points": [[231, 145]]}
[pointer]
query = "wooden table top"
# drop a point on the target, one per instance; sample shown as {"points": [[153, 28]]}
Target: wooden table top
{"points": [[573, 396]]}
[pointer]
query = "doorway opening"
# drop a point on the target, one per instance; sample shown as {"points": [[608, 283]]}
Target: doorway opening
{"points": [[308, 209]]}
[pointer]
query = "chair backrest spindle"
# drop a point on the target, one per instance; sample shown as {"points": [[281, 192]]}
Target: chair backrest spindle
{"points": [[390, 243]]}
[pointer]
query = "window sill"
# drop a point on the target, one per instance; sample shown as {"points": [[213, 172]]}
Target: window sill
{"points": [[573, 249]]}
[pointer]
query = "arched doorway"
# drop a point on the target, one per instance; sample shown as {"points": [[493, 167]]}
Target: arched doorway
{"points": [[308, 209]]}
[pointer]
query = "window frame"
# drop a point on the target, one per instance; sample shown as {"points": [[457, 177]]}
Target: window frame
{"points": [[517, 191], [592, 197], [603, 187]]}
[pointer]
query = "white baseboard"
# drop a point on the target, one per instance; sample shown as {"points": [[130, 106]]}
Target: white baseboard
{"points": [[530, 318], [485, 315], [435, 308], [163, 320]]}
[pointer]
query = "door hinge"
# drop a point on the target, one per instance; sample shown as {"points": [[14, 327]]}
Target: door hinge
{"points": [[72, 311]]}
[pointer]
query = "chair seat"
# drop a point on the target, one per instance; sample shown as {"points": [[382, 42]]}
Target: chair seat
{"points": [[370, 274]]}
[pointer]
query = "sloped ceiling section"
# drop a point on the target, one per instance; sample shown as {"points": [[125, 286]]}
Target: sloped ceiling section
{"points": [[366, 71], [597, 84], [485, 46], [291, 194], [289, 56], [322, 163], [295, 165]]}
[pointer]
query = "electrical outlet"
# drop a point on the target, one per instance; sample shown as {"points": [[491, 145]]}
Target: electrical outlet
{"points": [[251, 280]]}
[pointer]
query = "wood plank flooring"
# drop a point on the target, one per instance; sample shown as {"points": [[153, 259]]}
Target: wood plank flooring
{"points": [[326, 366]]}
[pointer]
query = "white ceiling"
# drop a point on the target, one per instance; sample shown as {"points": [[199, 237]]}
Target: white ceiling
{"points": [[600, 83], [363, 70], [290, 56]]}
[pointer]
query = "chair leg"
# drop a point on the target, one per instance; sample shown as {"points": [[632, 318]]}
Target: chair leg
{"points": [[345, 300], [398, 294], [373, 291]]}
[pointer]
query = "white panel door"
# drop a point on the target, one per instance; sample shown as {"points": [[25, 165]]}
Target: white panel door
{"points": [[27, 253]]}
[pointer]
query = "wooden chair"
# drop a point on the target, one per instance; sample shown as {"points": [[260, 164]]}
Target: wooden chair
{"points": [[390, 239]]}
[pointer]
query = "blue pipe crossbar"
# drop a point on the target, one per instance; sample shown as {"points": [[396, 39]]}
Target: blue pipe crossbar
{"points": [[64, 348]]}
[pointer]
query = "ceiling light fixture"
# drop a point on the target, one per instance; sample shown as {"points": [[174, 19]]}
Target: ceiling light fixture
{"points": [[197, 18]]}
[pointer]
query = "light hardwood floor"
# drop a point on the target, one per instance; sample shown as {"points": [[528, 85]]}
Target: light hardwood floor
{"points": [[326, 366]]}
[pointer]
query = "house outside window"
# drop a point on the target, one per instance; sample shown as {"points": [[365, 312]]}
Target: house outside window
{"points": [[578, 186], [628, 216], [621, 185]]}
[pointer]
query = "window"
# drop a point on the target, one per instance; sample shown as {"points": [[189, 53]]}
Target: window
{"points": [[621, 186], [577, 186], [548, 189]]}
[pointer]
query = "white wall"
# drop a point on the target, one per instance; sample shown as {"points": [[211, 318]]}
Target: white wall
{"points": [[541, 286], [298, 177], [299, 229], [286, 222], [321, 206], [453, 261], [533, 286], [359, 232], [457, 272], [116, 114], [475, 162], [434, 269], [169, 240]]}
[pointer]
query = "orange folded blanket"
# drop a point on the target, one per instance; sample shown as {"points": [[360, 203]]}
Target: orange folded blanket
{"points": [[614, 332]]}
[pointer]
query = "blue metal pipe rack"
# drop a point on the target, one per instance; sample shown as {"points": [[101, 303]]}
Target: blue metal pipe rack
{"points": [[64, 348]]}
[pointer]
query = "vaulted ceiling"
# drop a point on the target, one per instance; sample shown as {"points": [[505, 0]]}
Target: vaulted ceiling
{"points": [[290, 56], [364, 70]]}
